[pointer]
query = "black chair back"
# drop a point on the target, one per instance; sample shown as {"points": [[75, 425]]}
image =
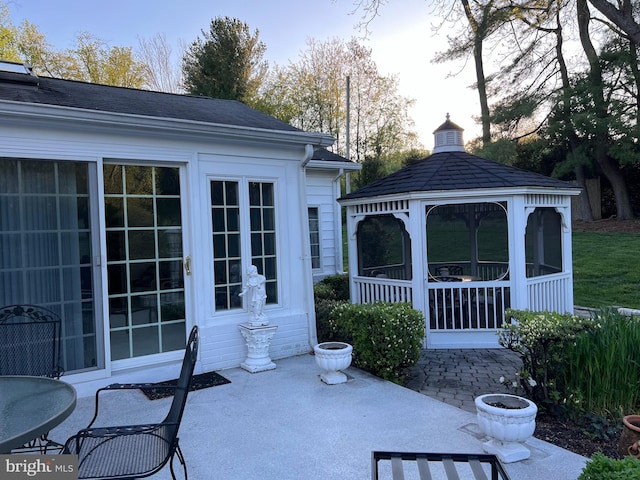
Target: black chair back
{"points": [[30, 341], [184, 381]]}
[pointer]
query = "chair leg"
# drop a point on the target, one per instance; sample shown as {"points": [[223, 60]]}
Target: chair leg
{"points": [[178, 453]]}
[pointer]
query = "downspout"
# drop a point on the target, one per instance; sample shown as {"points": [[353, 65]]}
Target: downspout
{"points": [[338, 223], [306, 253]]}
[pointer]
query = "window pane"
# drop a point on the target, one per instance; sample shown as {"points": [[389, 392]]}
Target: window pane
{"points": [[169, 211], [140, 212], [112, 179], [167, 181], [142, 244], [114, 212], [139, 180]]}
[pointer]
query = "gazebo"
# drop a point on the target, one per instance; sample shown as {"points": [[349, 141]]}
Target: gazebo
{"points": [[462, 238]]}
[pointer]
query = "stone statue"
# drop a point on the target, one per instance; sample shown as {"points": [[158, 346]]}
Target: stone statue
{"points": [[255, 288]]}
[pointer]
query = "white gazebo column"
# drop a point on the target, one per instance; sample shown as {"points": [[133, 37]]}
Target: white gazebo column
{"points": [[517, 222], [567, 257]]}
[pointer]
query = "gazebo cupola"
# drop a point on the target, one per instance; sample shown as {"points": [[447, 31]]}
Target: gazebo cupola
{"points": [[448, 137], [462, 238]]}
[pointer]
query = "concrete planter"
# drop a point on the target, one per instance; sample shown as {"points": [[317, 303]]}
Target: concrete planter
{"points": [[509, 420], [332, 357]]}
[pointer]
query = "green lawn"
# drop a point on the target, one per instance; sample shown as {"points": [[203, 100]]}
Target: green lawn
{"points": [[606, 269]]}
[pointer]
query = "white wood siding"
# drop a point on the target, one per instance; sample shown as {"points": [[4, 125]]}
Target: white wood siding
{"points": [[322, 193]]}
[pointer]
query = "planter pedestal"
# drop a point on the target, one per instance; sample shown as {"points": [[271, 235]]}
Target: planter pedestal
{"points": [[258, 340], [333, 357], [509, 420]]}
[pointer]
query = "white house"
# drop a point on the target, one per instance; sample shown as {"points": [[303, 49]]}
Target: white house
{"points": [[135, 215]]}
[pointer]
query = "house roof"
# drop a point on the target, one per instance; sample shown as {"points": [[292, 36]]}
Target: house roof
{"points": [[21, 87], [448, 171]]}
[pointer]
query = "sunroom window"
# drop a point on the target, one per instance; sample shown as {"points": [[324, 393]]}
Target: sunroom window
{"points": [[237, 205]]}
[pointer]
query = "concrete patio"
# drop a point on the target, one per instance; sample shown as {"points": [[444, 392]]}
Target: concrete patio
{"points": [[287, 424]]}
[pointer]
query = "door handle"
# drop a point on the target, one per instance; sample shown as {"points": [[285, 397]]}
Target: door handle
{"points": [[187, 265]]}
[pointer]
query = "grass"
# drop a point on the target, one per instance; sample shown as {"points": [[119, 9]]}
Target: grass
{"points": [[606, 269]]}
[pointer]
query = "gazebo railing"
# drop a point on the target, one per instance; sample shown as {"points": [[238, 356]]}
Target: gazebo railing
{"points": [[549, 292], [477, 305], [379, 289]]}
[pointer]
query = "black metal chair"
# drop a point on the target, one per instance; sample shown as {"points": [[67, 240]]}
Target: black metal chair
{"points": [[30, 341], [136, 451], [433, 465]]}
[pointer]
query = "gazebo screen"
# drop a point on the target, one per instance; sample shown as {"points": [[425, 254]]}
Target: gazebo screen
{"points": [[383, 248], [468, 240], [543, 242]]}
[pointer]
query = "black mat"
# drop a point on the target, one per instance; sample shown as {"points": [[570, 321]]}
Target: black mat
{"points": [[204, 380]]}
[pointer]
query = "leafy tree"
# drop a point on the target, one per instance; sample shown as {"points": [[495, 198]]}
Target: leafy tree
{"points": [[312, 95], [226, 63], [8, 36]]}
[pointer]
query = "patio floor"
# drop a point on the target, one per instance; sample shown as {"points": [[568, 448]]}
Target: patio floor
{"points": [[287, 424]]}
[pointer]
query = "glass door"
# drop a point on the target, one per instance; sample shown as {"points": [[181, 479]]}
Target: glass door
{"points": [[144, 260]]}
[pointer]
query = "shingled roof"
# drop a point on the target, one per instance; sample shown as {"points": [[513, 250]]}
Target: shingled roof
{"points": [[448, 171], [21, 87]]}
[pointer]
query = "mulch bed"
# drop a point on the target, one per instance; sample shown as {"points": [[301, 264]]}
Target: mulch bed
{"points": [[204, 380], [569, 435]]}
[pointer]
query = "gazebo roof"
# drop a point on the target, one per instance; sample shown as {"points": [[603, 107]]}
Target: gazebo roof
{"points": [[455, 170]]}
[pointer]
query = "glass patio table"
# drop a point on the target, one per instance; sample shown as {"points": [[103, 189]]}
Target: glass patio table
{"points": [[30, 407]]}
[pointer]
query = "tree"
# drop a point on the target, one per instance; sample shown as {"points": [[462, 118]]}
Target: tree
{"points": [[161, 74], [600, 117], [622, 16], [312, 95], [226, 63], [8, 36]]}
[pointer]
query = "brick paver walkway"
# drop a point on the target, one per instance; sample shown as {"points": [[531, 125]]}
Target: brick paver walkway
{"points": [[457, 376]]}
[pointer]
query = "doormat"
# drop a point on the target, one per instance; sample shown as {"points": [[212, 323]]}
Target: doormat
{"points": [[204, 380]]}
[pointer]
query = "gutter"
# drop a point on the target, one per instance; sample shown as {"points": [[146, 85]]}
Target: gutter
{"points": [[306, 254]]}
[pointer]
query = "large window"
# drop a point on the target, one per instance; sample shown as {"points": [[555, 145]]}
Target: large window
{"points": [[234, 205], [47, 247], [144, 260]]}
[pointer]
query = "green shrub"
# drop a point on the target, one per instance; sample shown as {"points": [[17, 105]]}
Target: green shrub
{"points": [[604, 365], [324, 306], [328, 293], [600, 467], [336, 286], [541, 339], [386, 337]]}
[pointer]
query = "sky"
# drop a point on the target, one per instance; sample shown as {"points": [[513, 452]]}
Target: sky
{"points": [[401, 38]]}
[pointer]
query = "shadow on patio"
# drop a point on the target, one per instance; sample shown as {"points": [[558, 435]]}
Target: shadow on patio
{"points": [[287, 424]]}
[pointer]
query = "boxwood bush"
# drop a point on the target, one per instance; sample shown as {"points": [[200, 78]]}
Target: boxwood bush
{"points": [[600, 467], [386, 337]]}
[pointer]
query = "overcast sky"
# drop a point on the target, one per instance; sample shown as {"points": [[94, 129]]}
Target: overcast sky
{"points": [[401, 38]]}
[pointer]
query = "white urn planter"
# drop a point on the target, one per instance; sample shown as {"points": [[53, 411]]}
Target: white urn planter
{"points": [[333, 357], [509, 420]]}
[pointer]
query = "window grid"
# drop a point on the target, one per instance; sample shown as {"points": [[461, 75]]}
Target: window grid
{"points": [[227, 264], [314, 236], [263, 235]]}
